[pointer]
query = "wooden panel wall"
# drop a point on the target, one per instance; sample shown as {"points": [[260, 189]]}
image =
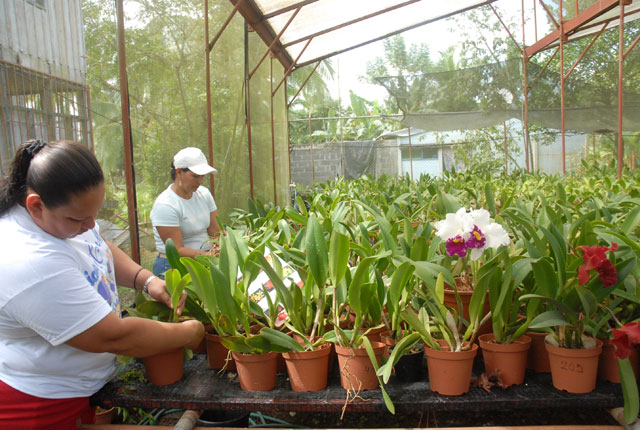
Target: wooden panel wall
{"points": [[48, 39]]}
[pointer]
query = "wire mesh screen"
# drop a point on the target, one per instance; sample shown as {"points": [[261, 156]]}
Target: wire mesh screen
{"points": [[35, 105]]}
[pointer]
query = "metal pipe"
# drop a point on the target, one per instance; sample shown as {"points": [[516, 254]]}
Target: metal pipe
{"points": [[275, 40], [247, 88], [495, 12], [586, 49], [620, 92], [525, 86], [211, 44], [126, 134], [273, 135], [325, 118], [634, 43], [292, 65], [286, 96], [410, 154], [303, 84], [288, 9], [535, 19], [561, 39], [207, 73]]}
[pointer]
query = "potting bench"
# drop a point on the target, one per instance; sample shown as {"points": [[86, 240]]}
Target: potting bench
{"points": [[202, 388]]}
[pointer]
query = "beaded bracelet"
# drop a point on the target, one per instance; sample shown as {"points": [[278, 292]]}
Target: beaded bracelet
{"points": [[135, 277]]}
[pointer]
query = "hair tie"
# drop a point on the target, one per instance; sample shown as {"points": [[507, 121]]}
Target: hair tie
{"points": [[35, 147]]}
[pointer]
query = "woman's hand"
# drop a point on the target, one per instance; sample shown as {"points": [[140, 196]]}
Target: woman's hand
{"points": [[157, 289]]}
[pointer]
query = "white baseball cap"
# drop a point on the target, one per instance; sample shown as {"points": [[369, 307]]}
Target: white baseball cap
{"points": [[194, 160]]}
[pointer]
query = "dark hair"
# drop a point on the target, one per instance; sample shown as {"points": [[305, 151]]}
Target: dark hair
{"points": [[173, 171], [55, 170]]}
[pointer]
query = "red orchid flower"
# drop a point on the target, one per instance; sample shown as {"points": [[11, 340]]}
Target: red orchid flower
{"points": [[595, 259], [625, 338]]}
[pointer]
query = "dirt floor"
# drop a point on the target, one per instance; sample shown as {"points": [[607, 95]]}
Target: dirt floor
{"points": [[523, 417]]}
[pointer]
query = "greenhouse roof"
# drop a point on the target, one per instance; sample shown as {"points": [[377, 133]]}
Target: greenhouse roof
{"points": [[312, 30], [301, 32]]}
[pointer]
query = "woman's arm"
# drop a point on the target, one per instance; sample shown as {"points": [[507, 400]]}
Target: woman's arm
{"points": [[214, 228], [128, 272], [175, 234], [137, 337]]}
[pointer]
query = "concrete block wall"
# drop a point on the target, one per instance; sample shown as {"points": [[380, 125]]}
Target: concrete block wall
{"points": [[327, 162]]}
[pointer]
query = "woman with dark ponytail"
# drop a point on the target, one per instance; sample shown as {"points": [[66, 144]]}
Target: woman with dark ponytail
{"points": [[60, 321]]}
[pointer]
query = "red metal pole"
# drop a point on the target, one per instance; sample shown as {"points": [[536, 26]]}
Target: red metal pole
{"points": [[126, 134], [273, 136], [561, 39], [525, 86], [620, 92], [207, 73], [247, 78]]}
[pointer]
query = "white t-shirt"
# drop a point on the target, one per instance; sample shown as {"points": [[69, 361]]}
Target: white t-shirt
{"points": [[50, 291], [193, 216]]}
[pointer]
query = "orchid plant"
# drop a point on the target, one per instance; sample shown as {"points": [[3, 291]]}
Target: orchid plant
{"points": [[625, 338], [467, 234], [574, 283]]}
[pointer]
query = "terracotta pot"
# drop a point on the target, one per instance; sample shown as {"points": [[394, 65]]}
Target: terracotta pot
{"points": [[506, 360], [165, 368], [538, 358], [308, 369], [465, 298], [217, 354], [388, 341], [374, 333], [256, 372], [608, 364], [356, 371], [105, 416], [574, 370], [450, 372]]}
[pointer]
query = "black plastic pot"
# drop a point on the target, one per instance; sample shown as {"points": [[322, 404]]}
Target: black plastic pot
{"points": [[223, 418], [409, 367]]}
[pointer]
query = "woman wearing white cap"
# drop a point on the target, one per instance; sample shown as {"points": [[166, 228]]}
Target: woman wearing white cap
{"points": [[185, 211]]}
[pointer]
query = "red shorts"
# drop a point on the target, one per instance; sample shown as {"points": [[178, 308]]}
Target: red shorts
{"points": [[22, 411]]}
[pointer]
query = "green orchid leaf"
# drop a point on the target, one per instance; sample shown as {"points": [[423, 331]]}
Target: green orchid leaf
{"points": [[629, 391], [338, 256], [173, 256], [317, 253], [278, 338], [374, 362], [548, 319]]}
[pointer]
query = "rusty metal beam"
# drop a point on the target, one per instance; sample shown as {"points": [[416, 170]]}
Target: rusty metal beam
{"points": [[620, 92], [254, 18], [224, 25], [303, 84], [634, 43], [590, 13], [286, 74], [544, 68], [126, 134], [273, 135], [586, 50], [562, 116], [495, 12], [207, 74], [275, 41], [549, 14], [247, 95], [525, 60]]}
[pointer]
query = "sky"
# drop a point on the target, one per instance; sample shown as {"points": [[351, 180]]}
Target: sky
{"points": [[352, 64]]}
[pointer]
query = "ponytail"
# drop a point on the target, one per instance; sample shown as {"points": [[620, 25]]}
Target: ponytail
{"points": [[54, 170]]}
